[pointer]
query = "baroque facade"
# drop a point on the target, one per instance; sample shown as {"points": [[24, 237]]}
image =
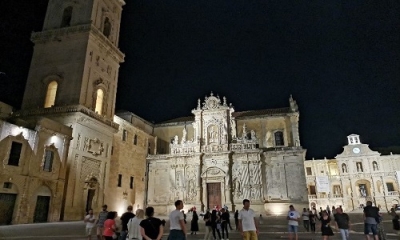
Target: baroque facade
{"points": [[220, 157], [355, 176]]}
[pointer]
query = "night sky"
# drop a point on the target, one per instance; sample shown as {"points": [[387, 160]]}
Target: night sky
{"points": [[339, 59]]}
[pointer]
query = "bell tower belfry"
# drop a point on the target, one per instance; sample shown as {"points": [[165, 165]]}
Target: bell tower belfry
{"points": [[76, 57], [73, 80]]}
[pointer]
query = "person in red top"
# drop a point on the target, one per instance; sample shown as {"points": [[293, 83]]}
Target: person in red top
{"points": [[109, 226]]}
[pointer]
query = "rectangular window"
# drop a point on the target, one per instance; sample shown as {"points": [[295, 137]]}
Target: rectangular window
{"points": [[359, 167], [131, 183], [309, 172], [48, 161], [390, 187], [15, 153], [7, 185], [124, 135], [312, 190], [119, 180]]}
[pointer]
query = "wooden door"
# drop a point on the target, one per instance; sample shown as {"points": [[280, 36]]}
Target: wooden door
{"points": [[214, 195], [7, 203], [41, 209], [89, 199]]}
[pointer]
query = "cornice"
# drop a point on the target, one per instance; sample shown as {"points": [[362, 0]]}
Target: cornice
{"points": [[56, 34]]}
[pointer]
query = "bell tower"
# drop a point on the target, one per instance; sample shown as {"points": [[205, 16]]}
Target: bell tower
{"points": [[76, 57], [73, 80]]}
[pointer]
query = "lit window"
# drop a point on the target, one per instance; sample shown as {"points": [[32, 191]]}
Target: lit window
{"points": [[48, 161], [99, 101], [51, 94]]}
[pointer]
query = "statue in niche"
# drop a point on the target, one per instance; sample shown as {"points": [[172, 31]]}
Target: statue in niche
{"points": [[344, 168], [268, 139], [184, 133], [363, 190], [213, 135], [375, 166], [244, 134], [176, 140], [253, 135]]}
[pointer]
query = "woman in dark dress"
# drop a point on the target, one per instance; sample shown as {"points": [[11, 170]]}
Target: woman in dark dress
{"points": [[313, 221], [326, 229], [194, 224]]}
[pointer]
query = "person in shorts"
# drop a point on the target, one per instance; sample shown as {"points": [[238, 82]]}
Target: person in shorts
{"points": [[371, 220], [342, 223], [293, 218], [90, 223]]}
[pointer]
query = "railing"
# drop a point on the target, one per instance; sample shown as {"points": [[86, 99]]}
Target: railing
{"points": [[337, 195], [393, 193], [312, 196], [241, 147]]}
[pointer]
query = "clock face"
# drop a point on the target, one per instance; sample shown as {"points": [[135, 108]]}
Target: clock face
{"points": [[356, 150]]}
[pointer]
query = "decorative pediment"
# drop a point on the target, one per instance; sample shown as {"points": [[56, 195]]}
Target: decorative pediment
{"points": [[214, 102]]}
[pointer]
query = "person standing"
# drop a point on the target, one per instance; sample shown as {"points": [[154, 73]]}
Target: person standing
{"points": [[313, 220], [306, 219], [110, 228], [151, 227], [237, 219], [90, 223], [124, 222], [247, 222], [371, 220], [224, 223], [207, 220], [177, 223], [293, 218], [215, 224], [134, 225], [342, 223], [100, 222], [194, 224], [326, 229]]}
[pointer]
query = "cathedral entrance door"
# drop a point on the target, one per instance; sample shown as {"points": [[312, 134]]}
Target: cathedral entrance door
{"points": [[41, 209], [214, 195], [89, 199]]}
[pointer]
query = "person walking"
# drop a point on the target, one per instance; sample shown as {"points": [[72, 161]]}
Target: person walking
{"points": [[194, 224], [224, 223], [237, 219], [177, 223], [342, 223], [306, 219], [110, 228], [313, 220], [371, 220], [90, 223], [207, 220], [293, 218], [326, 229], [247, 222], [134, 225], [100, 222], [124, 222], [151, 227], [215, 224]]}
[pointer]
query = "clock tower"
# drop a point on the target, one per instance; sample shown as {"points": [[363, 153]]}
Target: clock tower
{"points": [[73, 80]]}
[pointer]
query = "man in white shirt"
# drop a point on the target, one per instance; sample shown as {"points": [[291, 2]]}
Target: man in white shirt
{"points": [[247, 222], [90, 223], [177, 223], [293, 218]]}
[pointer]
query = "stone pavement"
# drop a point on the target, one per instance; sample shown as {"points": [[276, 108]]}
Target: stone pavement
{"points": [[273, 227]]}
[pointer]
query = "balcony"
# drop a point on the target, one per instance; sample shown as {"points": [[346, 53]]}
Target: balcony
{"points": [[312, 196], [393, 193]]}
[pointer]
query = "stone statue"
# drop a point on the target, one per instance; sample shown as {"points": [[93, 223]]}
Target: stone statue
{"points": [[253, 135], [363, 191], [184, 133], [198, 104], [375, 165], [176, 140], [268, 139], [244, 134]]}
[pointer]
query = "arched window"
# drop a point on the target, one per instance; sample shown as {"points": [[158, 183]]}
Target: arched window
{"points": [[51, 94], [107, 27], [135, 140], [375, 166], [279, 138], [99, 101], [344, 168], [66, 18]]}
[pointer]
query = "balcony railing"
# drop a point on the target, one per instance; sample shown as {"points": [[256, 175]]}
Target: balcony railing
{"points": [[393, 193]]}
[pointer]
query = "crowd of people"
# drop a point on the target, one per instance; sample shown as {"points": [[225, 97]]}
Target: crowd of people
{"points": [[143, 224]]}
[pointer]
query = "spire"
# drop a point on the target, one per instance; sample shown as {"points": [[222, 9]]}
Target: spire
{"points": [[293, 104]]}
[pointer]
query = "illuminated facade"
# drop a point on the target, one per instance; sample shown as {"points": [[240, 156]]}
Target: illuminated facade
{"points": [[220, 157], [355, 176]]}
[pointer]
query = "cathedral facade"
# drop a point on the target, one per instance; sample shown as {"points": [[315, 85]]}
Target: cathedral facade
{"points": [[355, 176], [220, 157]]}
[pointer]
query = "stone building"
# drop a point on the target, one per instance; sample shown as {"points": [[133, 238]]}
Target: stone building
{"points": [[355, 176], [219, 156], [33, 170]]}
